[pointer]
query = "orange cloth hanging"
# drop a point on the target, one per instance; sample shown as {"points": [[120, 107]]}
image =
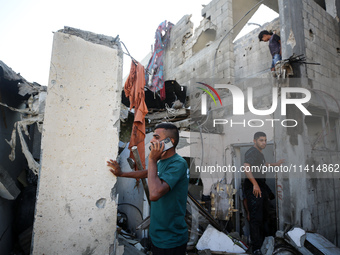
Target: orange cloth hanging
{"points": [[134, 90]]}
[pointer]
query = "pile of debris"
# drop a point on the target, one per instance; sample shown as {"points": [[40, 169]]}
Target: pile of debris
{"points": [[295, 241], [171, 109]]}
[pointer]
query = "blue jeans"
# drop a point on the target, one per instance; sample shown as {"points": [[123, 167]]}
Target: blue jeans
{"points": [[276, 58]]}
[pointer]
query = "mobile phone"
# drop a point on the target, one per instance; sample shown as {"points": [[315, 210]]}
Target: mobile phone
{"points": [[167, 144]]}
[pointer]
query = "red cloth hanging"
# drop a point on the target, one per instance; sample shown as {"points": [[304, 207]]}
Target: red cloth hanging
{"points": [[134, 90]]}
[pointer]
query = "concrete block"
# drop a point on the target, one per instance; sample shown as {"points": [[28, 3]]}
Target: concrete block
{"points": [[324, 71], [329, 18], [309, 53], [304, 15], [187, 54], [309, 9], [330, 32], [220, 3], [216, 14], [325, 21], [298, 236], [318, 77], [317, 15], [227, 24], [335, 69], [209, 9], [220, 20], [220, 75], [215, 240], [314, 22], [203, 69], [76, 208], [224, 66], [268, 245], [219, 59], [327, 64]]}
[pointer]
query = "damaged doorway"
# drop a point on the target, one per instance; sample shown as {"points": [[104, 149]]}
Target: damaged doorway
{"points": [[239, 151]]}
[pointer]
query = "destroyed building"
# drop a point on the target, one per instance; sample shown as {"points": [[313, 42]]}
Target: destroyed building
{"points": [[77, 210], [22, 107]]}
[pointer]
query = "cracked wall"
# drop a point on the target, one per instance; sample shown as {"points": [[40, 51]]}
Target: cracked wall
{"points": [[75, 209], [8, 95], [191, 55]]}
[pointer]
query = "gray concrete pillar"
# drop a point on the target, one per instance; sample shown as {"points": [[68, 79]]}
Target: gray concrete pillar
{"points": [[76, 202], [291, 142], [292, 27]]}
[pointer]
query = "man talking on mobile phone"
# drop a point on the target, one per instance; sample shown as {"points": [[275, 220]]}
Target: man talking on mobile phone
{"points": [[168, 179]]}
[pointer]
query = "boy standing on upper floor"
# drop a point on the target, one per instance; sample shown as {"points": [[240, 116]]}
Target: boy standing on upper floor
{"points": [[274, 46]]}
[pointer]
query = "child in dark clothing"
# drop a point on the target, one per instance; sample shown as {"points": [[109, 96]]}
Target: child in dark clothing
{"points": [[274, 45]]}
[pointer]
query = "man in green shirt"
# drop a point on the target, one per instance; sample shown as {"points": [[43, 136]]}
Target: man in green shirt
{"points": [[168, 178]]}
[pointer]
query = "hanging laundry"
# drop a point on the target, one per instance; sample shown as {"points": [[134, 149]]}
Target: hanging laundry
{"points": [[155, 82], [134, 90]]}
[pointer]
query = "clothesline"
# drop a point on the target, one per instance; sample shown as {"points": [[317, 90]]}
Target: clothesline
{"points": [[136, 63], [132, 58]]}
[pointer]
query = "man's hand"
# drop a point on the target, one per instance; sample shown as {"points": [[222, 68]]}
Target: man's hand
{"points": [[114, 167], [156, 151], [256, 190]]}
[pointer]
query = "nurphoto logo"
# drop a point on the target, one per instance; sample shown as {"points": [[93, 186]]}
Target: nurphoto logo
{"points": [[204, 97], [238, 99]]}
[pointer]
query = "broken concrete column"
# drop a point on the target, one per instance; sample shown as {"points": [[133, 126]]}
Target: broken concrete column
{"points": [[76, 202], [290, 142]]}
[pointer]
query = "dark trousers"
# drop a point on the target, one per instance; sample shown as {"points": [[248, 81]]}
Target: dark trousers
{"points": [[258, 210], [180, 250]]}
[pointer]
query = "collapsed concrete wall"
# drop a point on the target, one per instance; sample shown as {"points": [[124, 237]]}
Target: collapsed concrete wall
{"points": [[76, 201], [11, 170], [186, 59], [21, 114]]}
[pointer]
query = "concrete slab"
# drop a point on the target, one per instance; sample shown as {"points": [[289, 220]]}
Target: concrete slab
{"points": [[297, 235], [76, 206], [322, 244], [215, 240]]}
